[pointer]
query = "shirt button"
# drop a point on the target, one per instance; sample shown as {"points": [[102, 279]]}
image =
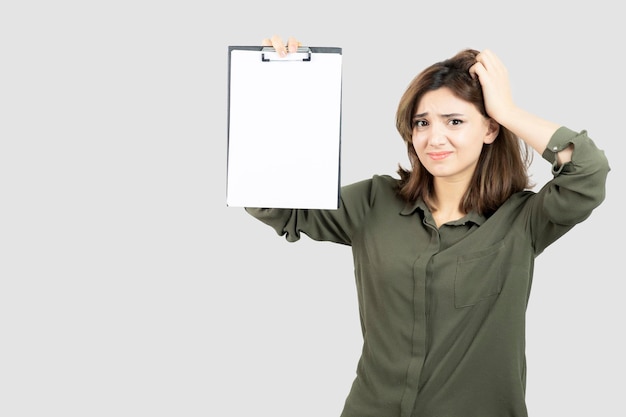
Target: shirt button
{"points": [[556, 148]]}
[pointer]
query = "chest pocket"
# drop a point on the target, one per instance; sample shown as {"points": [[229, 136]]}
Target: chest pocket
{"points": [[478, 276]]}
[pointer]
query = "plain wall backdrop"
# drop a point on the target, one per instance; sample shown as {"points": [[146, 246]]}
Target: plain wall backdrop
{"points": [[129, 288]]}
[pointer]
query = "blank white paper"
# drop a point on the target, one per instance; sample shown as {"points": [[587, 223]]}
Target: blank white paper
{"points": [[284, 134]]}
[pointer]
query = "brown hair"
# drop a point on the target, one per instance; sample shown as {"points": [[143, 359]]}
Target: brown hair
{"points": [[502, 168]]}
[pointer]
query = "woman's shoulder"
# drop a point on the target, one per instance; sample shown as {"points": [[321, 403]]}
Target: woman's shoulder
{"points": [[377, 182], [386, 179], [373, 191]]}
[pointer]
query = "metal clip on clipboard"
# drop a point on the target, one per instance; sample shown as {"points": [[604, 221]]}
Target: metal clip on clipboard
{"points": [[270, 54]]}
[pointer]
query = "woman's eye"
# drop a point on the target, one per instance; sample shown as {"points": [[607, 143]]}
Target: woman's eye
{"points": [[419, 123], [456, 122]]}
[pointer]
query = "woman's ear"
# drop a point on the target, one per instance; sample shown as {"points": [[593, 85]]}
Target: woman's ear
{"points": [[492, 131]]}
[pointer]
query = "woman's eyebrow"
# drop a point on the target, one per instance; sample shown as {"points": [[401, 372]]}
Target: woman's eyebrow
{"points": [[446, 115]]}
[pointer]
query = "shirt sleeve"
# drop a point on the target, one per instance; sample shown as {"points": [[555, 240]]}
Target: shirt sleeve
{"points": [[577, 188], [324, 225]]}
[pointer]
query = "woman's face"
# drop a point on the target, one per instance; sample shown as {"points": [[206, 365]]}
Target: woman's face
{"points": [[448, 135]]}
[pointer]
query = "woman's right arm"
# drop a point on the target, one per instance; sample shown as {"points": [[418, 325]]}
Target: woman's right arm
{"points": [[336, 226]]}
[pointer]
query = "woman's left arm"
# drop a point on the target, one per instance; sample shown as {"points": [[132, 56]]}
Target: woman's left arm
{"points": [[579, 167]]}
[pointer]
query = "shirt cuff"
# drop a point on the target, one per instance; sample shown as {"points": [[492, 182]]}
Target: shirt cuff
{"points": [[561, 139]]}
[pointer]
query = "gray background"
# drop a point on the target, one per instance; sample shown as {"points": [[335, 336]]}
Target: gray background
{"points": [[128, 288]]}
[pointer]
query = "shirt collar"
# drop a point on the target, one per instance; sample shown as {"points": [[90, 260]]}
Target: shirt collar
{"points": [[419, 204]]}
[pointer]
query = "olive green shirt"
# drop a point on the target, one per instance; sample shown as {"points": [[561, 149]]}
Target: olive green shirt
{"points": [[442, 309]]}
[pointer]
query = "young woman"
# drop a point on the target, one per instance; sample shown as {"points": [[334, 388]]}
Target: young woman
{"points": [[444, 254]]}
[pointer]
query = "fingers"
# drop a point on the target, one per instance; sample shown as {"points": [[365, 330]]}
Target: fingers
{"points": [[480, 67], [293, 44], [494, 81], [490, 62], [486, 62], [277, 43], [476, 69]]}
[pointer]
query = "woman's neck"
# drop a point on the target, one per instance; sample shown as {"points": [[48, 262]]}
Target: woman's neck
{"points": [[448, 196]]}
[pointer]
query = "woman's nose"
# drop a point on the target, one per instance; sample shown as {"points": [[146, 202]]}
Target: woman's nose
{"points": [[437, 135]]}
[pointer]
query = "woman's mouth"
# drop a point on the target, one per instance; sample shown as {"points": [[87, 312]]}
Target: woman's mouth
{"points": [[437, 156]]}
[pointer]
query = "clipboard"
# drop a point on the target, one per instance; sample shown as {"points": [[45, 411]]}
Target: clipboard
{"points": [[284, 128]]}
